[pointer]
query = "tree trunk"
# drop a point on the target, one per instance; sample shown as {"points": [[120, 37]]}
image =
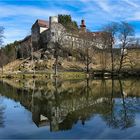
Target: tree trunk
{"points": [[121, 61], [56, 64], [112, 59], [2, 69], [122, 56], [87, 66], [87, 63]]}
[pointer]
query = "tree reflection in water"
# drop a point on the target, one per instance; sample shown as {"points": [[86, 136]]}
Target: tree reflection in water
{"points": [[121, 115], [1, 112], [61, 104]]}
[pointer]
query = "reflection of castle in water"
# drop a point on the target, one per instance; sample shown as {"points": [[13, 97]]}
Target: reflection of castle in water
{"points": [[62, 104]]}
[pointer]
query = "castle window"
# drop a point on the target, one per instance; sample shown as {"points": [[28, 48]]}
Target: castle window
{"points": [[52, 33]]}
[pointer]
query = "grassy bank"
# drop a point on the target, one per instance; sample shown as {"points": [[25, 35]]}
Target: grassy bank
{"points": [[72, 75], [63, 75]]}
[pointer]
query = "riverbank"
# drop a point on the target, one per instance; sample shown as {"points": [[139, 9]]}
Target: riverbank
{"points": [[73, 75], [44, 75], [123, 73]]}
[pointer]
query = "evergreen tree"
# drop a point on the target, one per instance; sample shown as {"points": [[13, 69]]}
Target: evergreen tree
{"points": [[67, 22]]}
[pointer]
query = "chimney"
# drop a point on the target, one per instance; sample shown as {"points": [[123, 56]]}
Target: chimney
{"points": [[82, 23], [83, 26]]}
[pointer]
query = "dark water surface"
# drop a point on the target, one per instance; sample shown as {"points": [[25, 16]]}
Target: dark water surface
{"points": [[70, 109]]}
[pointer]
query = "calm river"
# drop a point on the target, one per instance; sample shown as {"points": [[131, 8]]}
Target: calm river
{"points": [[71, 109]]}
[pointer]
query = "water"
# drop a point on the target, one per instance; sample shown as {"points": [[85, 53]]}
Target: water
{"points": [[70, 109]]}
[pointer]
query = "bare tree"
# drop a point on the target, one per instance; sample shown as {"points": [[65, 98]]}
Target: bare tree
{"points": [[126, 32], [88, 48], [56, 56], [104, 38], [111, 31], [3, 59], [25, 47], [58, 40]]}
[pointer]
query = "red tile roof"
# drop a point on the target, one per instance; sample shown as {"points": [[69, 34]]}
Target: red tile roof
{"points": [[42, 23]]}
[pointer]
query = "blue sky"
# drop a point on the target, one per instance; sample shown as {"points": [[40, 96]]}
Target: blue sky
{"points": [[17, 16]]}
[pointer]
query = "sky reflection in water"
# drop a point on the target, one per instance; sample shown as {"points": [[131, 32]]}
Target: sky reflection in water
{"points": [[70, 109]]}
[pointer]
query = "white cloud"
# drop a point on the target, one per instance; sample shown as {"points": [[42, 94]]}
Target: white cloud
{"points": [[103, 4], [132, 3], [10, 10], [14, 34], [135, 17]]}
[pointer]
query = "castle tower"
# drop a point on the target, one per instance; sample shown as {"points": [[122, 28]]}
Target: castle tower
{"points": [[83, 26], [53, 19]]}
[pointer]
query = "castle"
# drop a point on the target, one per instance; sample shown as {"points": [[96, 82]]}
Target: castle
{"points": [[43, 32]]}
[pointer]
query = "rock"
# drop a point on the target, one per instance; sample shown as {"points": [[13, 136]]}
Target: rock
{"points": [[47, 52], [40, 61], [37, 55]]}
